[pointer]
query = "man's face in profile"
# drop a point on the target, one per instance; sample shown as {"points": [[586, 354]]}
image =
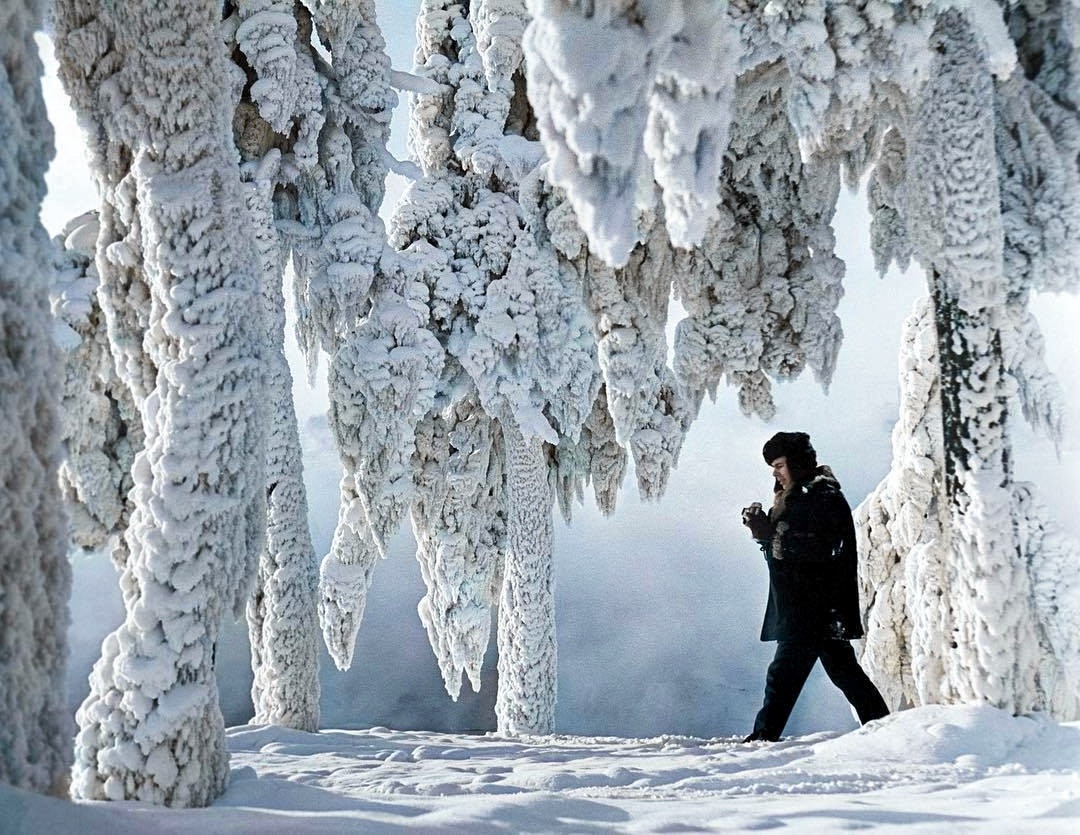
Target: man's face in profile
{"points": [[781, 472]]}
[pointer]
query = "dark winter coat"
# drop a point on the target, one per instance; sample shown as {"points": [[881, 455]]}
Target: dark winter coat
{"points": [[813, 564]]}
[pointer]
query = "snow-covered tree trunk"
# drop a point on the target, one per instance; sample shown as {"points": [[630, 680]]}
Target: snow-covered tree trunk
{"points": [[993, 627], [35, 577], [1053, 558], [904, 573], [527, 669], [155, 80], [282, 613]]}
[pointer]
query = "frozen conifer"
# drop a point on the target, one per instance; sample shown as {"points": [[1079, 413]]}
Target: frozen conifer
{"points": [[968, 175]]}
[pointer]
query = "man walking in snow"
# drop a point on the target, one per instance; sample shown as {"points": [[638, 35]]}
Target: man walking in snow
{"points": [[808, 538]]}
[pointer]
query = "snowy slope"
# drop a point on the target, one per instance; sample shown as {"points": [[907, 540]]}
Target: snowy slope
{"points": [[964, 769]]}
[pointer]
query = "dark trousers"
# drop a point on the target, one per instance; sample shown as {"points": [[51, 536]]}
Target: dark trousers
{"points": [[789, 670]]}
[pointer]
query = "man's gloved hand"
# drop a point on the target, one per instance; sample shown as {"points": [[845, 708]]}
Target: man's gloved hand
{"points": [[757, 521]]}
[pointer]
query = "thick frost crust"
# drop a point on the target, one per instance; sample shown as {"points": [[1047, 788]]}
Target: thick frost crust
{"points": [[311, 128], [459, 518], [526, 700], [653, 105], [35, 577], [761, 292], [282, 610], [151, 728], [961, 605], [101, 427]]}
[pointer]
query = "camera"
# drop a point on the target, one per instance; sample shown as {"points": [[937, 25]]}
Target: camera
{"points": [[752, 512]]}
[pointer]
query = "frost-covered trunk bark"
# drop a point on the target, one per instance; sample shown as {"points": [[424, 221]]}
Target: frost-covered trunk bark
{"points": [[150, 78], [994, 658], [526, 635], [282, 613], [908, 572], [35, 577]]}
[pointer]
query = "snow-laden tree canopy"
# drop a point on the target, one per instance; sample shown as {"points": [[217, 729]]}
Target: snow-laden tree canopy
{"points": [[631, 93], [354, 300], [761, 291], [312, 128], [35, 577]]}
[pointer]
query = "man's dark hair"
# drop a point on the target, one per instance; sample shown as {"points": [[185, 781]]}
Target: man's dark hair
{"points": [[795, 446]]}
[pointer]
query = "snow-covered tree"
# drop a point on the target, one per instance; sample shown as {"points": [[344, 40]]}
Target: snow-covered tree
{"points": [[475, 135], [35, 577], [515, 331], [282, 612], [180, 286], [955, 226], [101, 429], [980, 187], [276, 125], [354, 300], [496, 271]]}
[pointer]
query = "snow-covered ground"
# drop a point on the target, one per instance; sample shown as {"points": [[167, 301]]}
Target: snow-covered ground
{"points": [[931, 769]]}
